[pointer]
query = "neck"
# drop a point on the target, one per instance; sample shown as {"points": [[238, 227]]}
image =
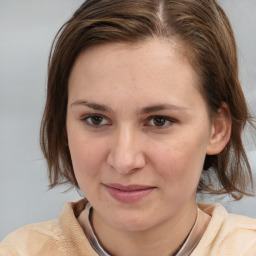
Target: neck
{"points": [[165, 239]]}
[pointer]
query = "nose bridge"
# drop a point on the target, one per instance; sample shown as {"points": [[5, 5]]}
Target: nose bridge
{"points": [[125, 137], [126, 152]]}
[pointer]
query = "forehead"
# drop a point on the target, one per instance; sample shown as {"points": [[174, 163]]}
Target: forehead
{"points": [[151, 54], [153, 68]]}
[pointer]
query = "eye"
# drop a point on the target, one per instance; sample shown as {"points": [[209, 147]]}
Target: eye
{"points": [[95, 120], [159, 121]]}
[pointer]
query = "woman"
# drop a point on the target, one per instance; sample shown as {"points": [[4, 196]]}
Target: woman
{"points": [[144, 109]]}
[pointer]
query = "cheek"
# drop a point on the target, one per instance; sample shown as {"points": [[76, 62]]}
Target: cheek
{"points": [[179, 161], [87, 164], [86, 156]]}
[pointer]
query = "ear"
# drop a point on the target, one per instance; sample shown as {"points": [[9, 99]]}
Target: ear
{"points": [[221, 131]]}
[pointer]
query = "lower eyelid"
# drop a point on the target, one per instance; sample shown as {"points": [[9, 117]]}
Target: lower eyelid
{"points": [[107, 122], [167, 119], [85, 118]]}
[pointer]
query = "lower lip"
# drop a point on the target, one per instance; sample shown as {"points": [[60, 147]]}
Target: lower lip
{"points": [[128, 196]]}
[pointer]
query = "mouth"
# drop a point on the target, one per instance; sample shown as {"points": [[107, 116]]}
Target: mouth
{"points": [[128, 194]]}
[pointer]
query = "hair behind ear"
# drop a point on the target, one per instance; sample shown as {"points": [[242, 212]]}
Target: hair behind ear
{"points": [[226, 158]]}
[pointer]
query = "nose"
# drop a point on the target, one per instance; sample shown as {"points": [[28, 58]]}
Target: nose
{"points": [[126, 154]]}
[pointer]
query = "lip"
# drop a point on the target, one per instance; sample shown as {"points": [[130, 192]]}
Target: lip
{"points": [[128, 194]]}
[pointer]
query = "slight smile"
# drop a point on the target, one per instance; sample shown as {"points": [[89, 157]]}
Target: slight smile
{"points": [[128, 194]]}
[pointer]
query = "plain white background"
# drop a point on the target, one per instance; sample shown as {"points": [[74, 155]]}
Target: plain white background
{"points": [[27, 29]]}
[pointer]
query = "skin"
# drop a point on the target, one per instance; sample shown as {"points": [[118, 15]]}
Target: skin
{"points": [[127, 144]]}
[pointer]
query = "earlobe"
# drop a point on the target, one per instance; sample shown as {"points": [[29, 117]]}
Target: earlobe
{"points": [[221, 131]]}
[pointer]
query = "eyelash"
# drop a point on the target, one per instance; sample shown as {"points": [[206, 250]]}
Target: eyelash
{"points": [[170, 121], [85, 119], [164, 118]]}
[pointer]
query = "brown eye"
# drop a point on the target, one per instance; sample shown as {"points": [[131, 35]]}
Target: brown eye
{"points": [[96, 120], [159, 121]]}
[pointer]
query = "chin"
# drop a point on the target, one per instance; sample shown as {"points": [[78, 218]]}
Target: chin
{"points": [[132, 222]]}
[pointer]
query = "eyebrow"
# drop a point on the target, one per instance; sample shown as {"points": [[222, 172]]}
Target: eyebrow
{"points": [[92, 105], [145, 110], [155, 108]]}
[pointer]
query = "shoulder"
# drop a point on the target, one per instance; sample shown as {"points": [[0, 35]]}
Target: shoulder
{"points": [[35, 239], [228, 234], [57, 237], [242, 234]]}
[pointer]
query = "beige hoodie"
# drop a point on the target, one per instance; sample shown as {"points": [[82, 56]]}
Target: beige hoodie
{"points": [[227, 234]]}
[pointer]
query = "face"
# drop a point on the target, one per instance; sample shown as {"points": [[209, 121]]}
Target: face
{"points": [[138, 132]]}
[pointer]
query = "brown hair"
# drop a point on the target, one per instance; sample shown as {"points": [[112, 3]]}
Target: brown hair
{"points": [[204, 31]]}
